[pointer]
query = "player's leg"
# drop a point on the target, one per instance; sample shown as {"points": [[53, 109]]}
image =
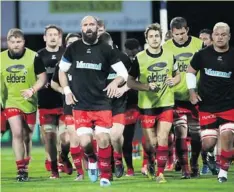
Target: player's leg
{"points": [[49, 123], [3, 122], [131, 117], [65, 145], [149, 132], [194, 130], [181, 129], [75, 149], [83, 125], [163, 128], [145, 156], [171, 155], [103, 122], [227, 139], [29, 125], [15, 119], [116, 135]]}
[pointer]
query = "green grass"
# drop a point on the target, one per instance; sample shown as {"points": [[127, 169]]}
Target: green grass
{"points": [[40, 182]]}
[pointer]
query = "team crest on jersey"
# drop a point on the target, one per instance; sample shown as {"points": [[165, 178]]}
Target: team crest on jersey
{"points": [[53, 57], [88, 51]]}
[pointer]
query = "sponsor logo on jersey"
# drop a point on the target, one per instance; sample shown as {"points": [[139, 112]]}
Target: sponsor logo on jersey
{"points": [[94, 66], [112, 76], [157, 67], [214, 73], [182, 61], [13, 77]]}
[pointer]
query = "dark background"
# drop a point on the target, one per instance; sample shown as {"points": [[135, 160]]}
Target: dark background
{"points": [[199, 15]]}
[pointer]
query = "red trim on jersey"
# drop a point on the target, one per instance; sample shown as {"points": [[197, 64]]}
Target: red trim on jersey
{"points": [[30, 118], [148, 121], [88, 118]]}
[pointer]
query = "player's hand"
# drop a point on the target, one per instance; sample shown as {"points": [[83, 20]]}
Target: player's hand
{"points": [[70, 99], [152, 86], [170, 81], [120, 91], [194, 97], [27, 93], [111, 89]]}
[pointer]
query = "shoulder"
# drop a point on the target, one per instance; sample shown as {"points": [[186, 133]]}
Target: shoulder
{"points": [[4, 53], [30, 53], [168, 44]]}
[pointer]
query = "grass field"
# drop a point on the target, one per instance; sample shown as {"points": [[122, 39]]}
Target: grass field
{"points": [[40, 182]]}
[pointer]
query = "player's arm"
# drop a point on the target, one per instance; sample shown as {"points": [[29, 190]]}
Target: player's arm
{"points": [[40, 72], [120, 69], [175, 79], [55, 81], [191, 79], [134, 73], [64, 66]]}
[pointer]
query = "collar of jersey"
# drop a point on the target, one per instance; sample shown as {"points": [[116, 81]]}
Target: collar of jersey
{"points": [[185, 44], [16, 56], [154, 55]]}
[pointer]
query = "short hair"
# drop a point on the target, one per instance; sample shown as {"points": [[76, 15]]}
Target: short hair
{"points": [[15, 32], [132, 44], [70, 35], [155, 27], [178, 23], [222, 24], [100, 23], [207, 31], [105, 37], [53, 27]]}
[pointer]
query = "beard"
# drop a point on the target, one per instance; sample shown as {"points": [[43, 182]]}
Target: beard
{"points": [[90, 39], [16, 53]]}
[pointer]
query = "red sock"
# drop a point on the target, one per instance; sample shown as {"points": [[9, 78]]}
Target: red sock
{"points": [[161, 156], [170, 148], [48, 165], [145, 155], [225, 159], [117, 156], [76, 153], [104, 162], [20, 165], [182, 153]]}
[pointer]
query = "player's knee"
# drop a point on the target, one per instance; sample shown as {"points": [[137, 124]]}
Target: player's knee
{"points": [[162, 139], [116, 134], [102, 136], [208, 144]]}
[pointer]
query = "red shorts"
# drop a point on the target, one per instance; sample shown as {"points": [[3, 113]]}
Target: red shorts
{"points": [[131, 116], [90, 118], [67, 119], [119, 118], [30, 118], [148, 121], [192, 110], [50, 116], [3, 121], [212, 122]]}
